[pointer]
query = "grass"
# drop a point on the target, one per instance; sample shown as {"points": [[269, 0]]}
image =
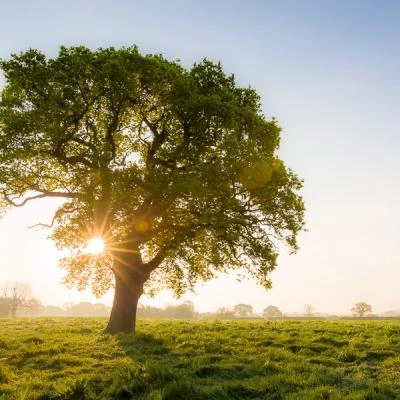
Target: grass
{"points": [[70, 359]]}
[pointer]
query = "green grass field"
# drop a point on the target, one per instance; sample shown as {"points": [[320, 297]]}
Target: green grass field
{"points": [[70, 359]]}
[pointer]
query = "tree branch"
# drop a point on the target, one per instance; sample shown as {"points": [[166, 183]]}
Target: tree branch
{"points": [[156, 261], [42, 225], [59, 155], [111, 128], [43, 194], [84, 143]]}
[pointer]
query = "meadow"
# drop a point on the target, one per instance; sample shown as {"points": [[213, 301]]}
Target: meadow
{"points": [[70, 359]]}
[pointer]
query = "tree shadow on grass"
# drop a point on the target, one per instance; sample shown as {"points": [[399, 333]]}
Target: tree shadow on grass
{"points": [[143, 346], [163, 372], [144, 377], [151, 374]]}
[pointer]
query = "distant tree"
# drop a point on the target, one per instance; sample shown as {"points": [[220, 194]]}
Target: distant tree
{"points": [[100, 310], [189, 308], [175, 169], [4, 307], [54, 311], [87, 309], [224, 313], [18, 295], [32, 308], [243, 310], [149, 311], [184, 311], [308, 310], [272, 312], [361, 309]]}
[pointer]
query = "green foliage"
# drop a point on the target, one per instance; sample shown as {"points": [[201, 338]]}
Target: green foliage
{"points": [[243, 310], [50, 359], [272, 312], [176, 166]]}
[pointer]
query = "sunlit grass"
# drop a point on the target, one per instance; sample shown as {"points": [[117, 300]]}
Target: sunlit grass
{"points": [[69, 358]]}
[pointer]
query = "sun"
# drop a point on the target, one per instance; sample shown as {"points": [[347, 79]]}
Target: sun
{"points": [[95, 246]]}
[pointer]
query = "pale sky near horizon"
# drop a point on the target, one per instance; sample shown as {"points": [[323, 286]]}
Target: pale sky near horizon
{"points": [[327, 70]]}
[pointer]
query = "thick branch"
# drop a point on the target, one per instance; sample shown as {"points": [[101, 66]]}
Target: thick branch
{"points": [[67, 195], [84, 143], [111, 128], [72, 160], [156, 261], [152, 126]]}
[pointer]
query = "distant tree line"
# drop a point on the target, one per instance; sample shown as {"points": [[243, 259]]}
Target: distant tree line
{"points": [[16, 299], [185, 310]]}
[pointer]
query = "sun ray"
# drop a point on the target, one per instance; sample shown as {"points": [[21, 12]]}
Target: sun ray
{"points": [[95, 246]]}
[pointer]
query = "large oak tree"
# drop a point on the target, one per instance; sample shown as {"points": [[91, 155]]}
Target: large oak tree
{"points": [[174, 169]]}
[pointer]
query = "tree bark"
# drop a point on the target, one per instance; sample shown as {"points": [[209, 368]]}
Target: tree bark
{"points": [[128, 289], [123, 312], [130, 275]]}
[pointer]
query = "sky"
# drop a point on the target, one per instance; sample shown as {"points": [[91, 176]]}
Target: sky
{"points": [[328, 71]]}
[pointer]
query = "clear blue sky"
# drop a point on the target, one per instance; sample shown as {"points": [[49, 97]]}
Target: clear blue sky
{"points": [[327, 70]]}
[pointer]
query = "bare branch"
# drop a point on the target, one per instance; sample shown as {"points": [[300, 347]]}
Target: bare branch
{"points": [[43, 194], [42, 225]]}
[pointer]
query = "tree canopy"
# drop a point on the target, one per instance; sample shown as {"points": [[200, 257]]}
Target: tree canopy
{"points": [[272, 312], [243, 310], [175, 169], [361, 308]]}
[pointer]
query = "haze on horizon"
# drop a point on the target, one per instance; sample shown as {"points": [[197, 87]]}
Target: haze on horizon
{"points": [[327, 71]]}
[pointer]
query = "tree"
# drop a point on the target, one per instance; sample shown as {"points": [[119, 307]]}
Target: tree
{"points": [[54, 311], [149, 311], [32, 308], [224, 313], [17, 295], [272, 312], [87, 309], [243, 310], [361, 309], [308, 310], [184, 311], [4, 307], [174, 169]]}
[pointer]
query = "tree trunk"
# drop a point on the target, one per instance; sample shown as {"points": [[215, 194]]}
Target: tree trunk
{"points": [[130, 275], [126, 297], [13, 308]]}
